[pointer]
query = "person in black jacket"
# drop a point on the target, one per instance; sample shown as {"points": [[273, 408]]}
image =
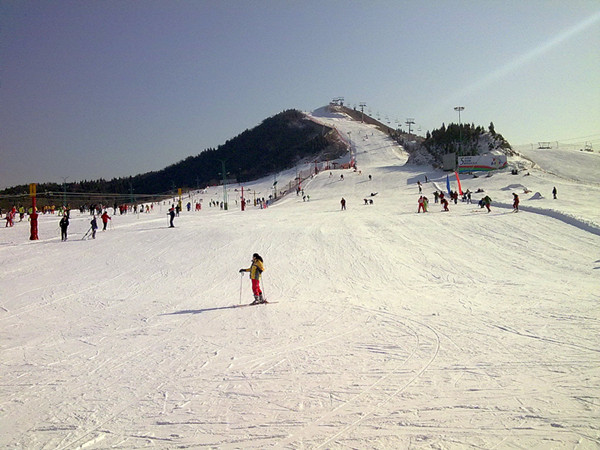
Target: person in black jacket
{"points": [[172, 216], [64, 224]]}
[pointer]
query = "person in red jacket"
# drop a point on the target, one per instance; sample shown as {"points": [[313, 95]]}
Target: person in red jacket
{"points": [[515, 203], [421, 204], [105, 218]]}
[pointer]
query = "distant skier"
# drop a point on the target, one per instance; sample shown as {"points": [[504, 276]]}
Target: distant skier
{"points": [[171, 216], [105, 218], [515, 203], [64, 224], [421, 205], [343, 203], [256, 269], [554, 192], [486, 201], [9, 219], [94, 227], [444, 203]]}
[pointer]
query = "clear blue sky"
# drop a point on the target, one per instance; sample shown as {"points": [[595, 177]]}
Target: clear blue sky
{"points": [[103, 89]]}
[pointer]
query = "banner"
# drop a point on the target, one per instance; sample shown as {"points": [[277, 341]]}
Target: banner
{"points": [[481, 163], [458, 181]]}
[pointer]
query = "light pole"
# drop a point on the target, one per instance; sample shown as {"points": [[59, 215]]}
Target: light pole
{"points": [[362, 110], [65, 191], [224, 184], [459, 109]]}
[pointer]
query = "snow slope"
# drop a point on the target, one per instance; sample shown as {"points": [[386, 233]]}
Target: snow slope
{"points": [[391, 329]]}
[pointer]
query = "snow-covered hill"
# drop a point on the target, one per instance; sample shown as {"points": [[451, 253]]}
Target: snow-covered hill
{"points": [[389, 329]]}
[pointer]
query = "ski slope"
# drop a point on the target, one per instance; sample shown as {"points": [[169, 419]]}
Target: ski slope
{"points": [[392, 329]]}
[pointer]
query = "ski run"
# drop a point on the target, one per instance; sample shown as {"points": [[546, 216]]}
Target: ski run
{"points": [[390, 329]]}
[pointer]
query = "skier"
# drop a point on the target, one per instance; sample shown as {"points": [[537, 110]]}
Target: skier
{"points": [[421, 205], [444, 203], [554, 192], [64, 224], [94, 225], [343, 203], [256, 269], [105, 218], [9, 219], [515, 202], [486, 201], [172, 216]]}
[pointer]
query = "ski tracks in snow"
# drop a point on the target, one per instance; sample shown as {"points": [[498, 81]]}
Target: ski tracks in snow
{"points": [[405, 348]]}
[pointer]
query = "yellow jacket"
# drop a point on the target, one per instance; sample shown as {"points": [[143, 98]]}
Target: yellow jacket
{"points": [[255, 269]]}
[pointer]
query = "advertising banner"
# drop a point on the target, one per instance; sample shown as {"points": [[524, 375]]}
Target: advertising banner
{"points": [[481, 163]]}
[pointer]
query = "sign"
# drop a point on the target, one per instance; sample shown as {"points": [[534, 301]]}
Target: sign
{"points": [[481, 163]]}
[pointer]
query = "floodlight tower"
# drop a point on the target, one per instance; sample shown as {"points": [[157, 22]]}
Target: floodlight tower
{"points": [[459, 109], [362, 110], [224, 173], [65, 191]]}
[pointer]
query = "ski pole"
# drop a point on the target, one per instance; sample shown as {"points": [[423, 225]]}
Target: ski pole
{"points": [[86, 233], [241, 282], [264, 291]]}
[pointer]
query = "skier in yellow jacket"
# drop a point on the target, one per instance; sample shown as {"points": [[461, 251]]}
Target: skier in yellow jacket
{"points": [[255, 270]]}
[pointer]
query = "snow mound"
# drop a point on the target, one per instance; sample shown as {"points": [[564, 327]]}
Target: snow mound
{"points": [[537, 196]]}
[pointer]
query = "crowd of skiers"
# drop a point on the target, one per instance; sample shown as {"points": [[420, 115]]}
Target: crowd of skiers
{"points": [[101, 210]]}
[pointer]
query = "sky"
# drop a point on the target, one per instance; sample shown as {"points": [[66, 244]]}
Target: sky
{"points": [[108, 89]]}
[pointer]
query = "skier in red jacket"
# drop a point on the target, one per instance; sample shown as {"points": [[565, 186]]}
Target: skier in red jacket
{"points": [[105, 218]]}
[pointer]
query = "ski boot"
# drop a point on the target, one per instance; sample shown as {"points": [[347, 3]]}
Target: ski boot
{"points": [[256, 300], [261, 299]]}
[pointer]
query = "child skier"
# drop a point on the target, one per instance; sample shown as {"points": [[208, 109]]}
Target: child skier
{"points": [[93, 227], [515, 203], [255, 269]]}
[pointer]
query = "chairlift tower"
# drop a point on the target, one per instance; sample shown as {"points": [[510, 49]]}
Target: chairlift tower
{"points": [[362, 110], [410, 123]]}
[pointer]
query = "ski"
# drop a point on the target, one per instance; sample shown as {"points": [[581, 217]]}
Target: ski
{"points": [[255, 304]]}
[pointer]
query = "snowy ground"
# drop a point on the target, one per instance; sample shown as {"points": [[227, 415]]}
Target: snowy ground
{"points": [[391, 329]]}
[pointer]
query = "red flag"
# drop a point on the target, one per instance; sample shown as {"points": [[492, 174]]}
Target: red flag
{"points": [[458, 181]]}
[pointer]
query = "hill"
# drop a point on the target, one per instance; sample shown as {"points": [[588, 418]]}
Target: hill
{"points": [[276, 144]]}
